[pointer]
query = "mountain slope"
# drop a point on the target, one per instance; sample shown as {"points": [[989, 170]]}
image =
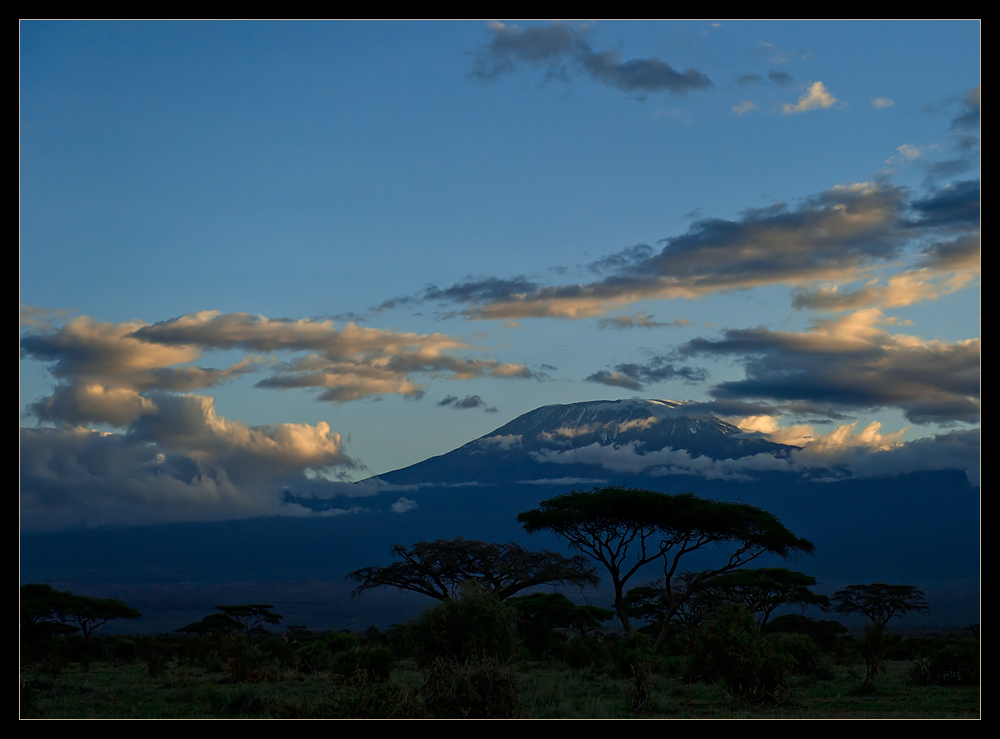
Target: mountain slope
{"points": [[525, 448]]}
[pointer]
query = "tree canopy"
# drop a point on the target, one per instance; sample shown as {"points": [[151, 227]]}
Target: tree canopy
{"points": [[252, 616], [764, 589], [880, 602], [437, 569], [625, 529], [214, 624], [47, 612]]}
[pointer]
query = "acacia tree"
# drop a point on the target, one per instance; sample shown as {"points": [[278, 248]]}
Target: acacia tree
{"points": [[695, 598], [215, 624], [764, 589], [90, 613], [437, 569], [47, 612], [42, 608], [625, 529], [880, 603], [252, 616]]}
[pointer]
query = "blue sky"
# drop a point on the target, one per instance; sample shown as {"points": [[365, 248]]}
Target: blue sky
{"points": [[386, 216]]}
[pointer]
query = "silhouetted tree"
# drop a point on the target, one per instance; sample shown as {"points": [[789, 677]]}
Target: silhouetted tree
{"points": [[215, 624], [625, 529], [880, 603], [48, 612], [437, 569], [90, 613], [765, 589], [41, 612], [252, 616]]}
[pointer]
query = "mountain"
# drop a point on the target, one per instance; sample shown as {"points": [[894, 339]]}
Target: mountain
{"points": [[920, 528], [526, 448]]}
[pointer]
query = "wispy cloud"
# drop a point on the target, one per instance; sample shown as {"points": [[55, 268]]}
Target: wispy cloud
{"points": [[639, 320], [560, 48], [638, 376], [466, 403], [828, 236], [779, 78], [836, 237]]}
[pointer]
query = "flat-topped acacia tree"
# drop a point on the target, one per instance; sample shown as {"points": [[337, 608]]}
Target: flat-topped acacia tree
{"points": [[880, 603], [439, 568], [625, 529]]}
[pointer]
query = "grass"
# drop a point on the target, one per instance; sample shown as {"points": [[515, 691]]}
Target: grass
{"points": [[107, 690]]}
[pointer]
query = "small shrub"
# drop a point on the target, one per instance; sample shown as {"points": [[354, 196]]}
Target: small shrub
{"points": [[484, 688], [313, 656], [584, 652], [376, 661], [124, 650]]}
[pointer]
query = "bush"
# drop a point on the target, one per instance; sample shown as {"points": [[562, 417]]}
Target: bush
{"points": [[478, 688], [375, 661], [827, 635], [806, 657], [477, 626], [313, 656], [957, 663], [124, 650], [730, 648], [583, 652]]}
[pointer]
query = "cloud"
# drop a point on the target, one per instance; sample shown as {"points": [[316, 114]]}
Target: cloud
{"points": [[767, 426], [184, 463], [469, 401], [961, 254], [41, 318], [816, 98], [625, 259], [503, 441], [835, 237], [639, 320], [748, 79], [558, 47], [956, 205], [829, 236], [942, 265], [848, 363], [779, 78], [945, 268], [882, 103], [564, 481], [966, 124], [403, 505], [104, 369], [965, 131], [107, 370], [743, 107], [638, 376], [843, 453]]}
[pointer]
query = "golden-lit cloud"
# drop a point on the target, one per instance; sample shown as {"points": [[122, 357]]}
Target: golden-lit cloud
{"points": [[852, 364], [815, 98], [108, 370]]}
